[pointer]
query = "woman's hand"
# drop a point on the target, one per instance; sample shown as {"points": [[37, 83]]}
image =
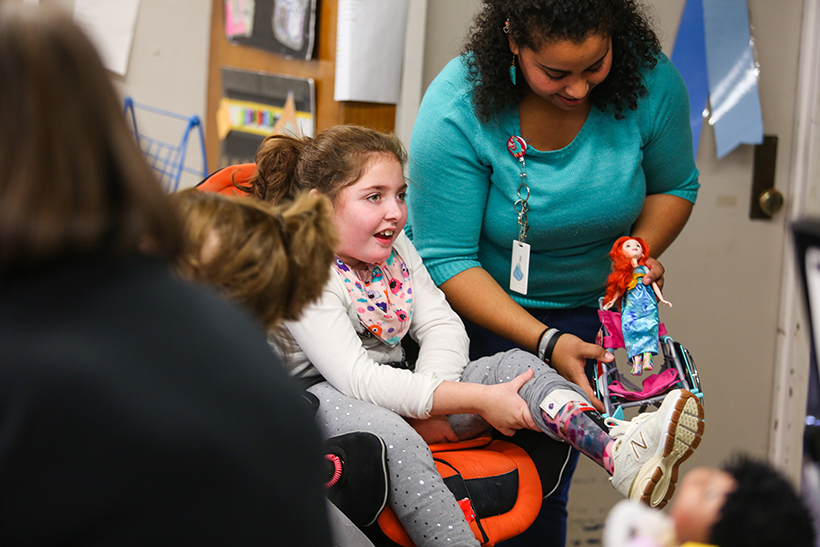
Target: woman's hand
{"points": [[569, 358], [435, 429], [656, 271], [503, 407]]}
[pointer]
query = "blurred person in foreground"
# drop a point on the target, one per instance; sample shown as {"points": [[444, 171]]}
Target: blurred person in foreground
{"points": [[135, 409]]}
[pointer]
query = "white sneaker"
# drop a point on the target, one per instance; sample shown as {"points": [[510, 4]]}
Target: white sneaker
{"points": [[649, 449]]}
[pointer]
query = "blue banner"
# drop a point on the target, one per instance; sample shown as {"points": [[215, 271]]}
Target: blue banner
{"points": [[731, 71], [689, 56]]}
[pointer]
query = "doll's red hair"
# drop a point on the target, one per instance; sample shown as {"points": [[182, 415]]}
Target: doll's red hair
{"points": [[621, 275]]}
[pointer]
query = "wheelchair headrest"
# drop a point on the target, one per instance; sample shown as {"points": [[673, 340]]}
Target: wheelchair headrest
{"points": [[222, 181]]}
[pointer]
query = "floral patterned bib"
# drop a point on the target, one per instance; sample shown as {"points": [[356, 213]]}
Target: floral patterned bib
{"points": [[382, 295]]}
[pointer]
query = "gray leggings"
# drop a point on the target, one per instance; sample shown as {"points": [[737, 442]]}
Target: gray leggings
{"points": [[417, 492]]}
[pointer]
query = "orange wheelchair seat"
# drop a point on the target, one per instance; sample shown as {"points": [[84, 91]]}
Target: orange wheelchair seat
{"points": [[495, 483]]}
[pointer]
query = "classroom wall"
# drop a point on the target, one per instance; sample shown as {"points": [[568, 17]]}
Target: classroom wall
{"points": [[168, 68]]}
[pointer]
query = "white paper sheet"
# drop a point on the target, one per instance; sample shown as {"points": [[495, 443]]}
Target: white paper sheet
{"points": [[110, 25], [369, 50]]}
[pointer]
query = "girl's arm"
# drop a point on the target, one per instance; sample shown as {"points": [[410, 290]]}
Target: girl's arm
{"points": [[327, 339], [438, 330], [500, 314], [499, 404]]}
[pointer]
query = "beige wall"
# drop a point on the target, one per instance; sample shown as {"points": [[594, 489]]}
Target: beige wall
{"points": [[168, 67]]}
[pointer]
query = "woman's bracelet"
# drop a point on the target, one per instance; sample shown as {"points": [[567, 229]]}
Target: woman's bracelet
{"points": [[546, 344]]}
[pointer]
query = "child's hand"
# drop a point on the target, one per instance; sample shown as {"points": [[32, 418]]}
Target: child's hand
{"points": [[504, 409], [435, 429]]}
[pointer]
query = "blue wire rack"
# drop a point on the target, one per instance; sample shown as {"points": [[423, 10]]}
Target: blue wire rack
{"points": [[166, 159]]}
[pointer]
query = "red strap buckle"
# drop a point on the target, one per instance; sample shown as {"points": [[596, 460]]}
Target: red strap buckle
{"points": [[467, 507]]}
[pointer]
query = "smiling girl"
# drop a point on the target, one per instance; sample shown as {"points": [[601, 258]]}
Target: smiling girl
{"points": [[350, 354]]}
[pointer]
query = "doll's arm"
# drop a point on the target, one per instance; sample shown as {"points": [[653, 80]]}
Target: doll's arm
{"points": [[661, 299], [611, 303]]}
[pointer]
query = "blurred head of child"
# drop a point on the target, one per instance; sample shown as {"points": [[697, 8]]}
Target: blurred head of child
{"points": [[746, 503], [272, 259]]}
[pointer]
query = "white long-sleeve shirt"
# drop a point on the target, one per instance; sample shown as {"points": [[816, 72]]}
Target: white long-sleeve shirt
{"points": [[330, 345]]}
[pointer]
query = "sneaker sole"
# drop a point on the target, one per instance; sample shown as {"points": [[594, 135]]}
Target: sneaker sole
{"points": [[655, 482]]}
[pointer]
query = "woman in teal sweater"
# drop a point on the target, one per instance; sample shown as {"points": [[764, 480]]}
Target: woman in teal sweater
{"points": [[561, 128]]}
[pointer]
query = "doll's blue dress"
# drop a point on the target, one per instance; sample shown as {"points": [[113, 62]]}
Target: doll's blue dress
{"points": [[639, 316]]}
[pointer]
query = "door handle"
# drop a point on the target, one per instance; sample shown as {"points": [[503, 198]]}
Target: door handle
{"points": [[771, 201], [766, 199]]}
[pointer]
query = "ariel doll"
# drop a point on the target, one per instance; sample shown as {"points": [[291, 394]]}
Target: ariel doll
{"points": [[639, 308]]}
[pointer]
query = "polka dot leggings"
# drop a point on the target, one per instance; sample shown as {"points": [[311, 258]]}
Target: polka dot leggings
{"points": [[417, 492]]}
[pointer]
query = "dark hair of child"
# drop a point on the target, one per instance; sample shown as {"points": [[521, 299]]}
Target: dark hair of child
{"points": [[764, 510]]}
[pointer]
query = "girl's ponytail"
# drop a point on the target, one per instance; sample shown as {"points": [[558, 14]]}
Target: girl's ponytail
{"points": [[274, 260], [276, 162], [308, 241]]}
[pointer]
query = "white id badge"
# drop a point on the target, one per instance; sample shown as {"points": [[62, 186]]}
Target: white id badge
{"points": [[520, 270]]}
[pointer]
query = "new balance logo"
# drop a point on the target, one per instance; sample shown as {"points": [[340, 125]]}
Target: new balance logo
{"points": [[636, 445]]}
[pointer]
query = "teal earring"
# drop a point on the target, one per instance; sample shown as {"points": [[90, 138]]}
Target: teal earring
{"points": [[512, 71]]}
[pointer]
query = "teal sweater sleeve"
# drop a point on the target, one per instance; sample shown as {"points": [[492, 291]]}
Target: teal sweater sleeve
{"points": [[464, 183]]}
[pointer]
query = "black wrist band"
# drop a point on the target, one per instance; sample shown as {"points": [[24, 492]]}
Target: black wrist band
{"points": [[546, 342]]}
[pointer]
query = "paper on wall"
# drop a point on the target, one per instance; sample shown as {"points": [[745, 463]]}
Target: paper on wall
{"points": [[110, 25], [370, 50]]}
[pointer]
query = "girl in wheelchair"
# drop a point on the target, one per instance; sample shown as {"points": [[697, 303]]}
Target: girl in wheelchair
{"points": [[348, 348]]}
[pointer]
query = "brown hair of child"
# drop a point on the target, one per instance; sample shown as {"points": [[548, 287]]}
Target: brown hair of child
{"points": [[329, 162], [274, 260]]}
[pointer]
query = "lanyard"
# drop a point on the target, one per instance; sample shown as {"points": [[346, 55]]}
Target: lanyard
{"points": [[518, 148], [520, 267]]}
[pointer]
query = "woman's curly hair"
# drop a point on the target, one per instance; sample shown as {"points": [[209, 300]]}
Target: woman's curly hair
{"points": [[534, 23]]}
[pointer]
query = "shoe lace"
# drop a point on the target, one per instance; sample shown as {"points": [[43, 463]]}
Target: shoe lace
{"points": [[619, 428]]}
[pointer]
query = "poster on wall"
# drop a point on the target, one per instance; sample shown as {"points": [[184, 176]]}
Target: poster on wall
{"points": [[369, 38], [111, 25], [286, 27], [256, 104]]}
